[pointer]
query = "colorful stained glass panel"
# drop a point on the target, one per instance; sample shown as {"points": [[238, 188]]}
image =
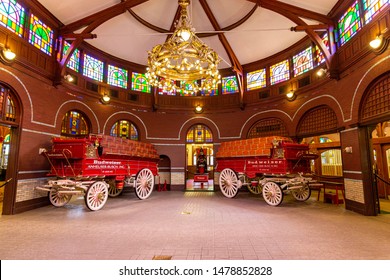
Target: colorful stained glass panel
{"points": [[303, 61], [117, 76], [229, 85], [319, 56], [93, 68], [372, 7], [256, 79], [40, 36], [74, 60], [12, 16], [139, 82], [187, 89], [279, 72], [124, 129], [349, 24]]}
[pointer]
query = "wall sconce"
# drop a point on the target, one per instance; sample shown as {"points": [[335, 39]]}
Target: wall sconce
{"points": [[105, 99], [348, 150], [290, 95], [198, 109], [321, 72], [377, 42], [69, 78], [7, 55]]}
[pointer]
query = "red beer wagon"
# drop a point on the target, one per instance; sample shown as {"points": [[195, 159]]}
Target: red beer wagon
{"points": [[270, 166], [97, 167]]}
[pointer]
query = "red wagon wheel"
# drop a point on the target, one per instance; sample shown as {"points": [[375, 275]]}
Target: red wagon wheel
{"points": [[144, 183], [96, 195], [229, 183], [272, 194]]}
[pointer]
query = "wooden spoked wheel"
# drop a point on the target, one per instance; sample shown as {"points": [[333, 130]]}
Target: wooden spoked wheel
{"points": [[272, 194], [96, 195], [57, 199], [302, 194], [113, 191], [255, 189], [228, 183], [144, 183]]}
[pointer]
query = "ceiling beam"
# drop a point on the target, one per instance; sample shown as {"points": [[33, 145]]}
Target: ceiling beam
{"points": [[89, 24], [232, 56], [279, 7], [237, 67]]}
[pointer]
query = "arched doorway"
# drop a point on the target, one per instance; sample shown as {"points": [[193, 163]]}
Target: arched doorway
{"points": [[199, 159], [9, 139], [375, 116]]}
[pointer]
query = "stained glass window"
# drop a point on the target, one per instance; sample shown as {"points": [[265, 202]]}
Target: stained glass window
{"points": [[280, 72], [319, 56], [168, 89], [12, 16], [256, 79], [229, 85], [188, 89], [93, 68], [303, 61], [41, 36], [139, 83], [207, 92], [372, 7], [199, 134], [7, 105], [74, 124], [117, 76], [124, 129], [349, 24], [74, 60]]}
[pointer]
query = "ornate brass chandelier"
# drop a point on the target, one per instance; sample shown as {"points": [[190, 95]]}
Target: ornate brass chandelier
{"points": [[183, 63]]}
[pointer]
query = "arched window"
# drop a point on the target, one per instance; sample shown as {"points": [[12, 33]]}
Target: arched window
{"points": [[74, 124], [199, 134], [125, 129], [268, 127], [7, 106]]}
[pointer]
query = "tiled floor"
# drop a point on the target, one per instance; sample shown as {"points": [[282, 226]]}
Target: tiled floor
{"points": [[195, 225]]}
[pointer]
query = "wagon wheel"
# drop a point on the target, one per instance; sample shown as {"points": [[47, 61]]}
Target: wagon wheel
{"points": [[254, 189], [144, 183], [58, 199], [113, 191], [272, 194], [96, 195], [302, 194], [228, 183]]}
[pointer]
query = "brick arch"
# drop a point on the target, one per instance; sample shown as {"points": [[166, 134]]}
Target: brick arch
{"points": [[203, 121], [318, 120], [78, 106], [267, 127], [375, 103], [124, 115]]}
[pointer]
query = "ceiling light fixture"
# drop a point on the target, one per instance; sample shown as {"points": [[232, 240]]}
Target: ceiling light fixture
{"points": [[183, 60]]}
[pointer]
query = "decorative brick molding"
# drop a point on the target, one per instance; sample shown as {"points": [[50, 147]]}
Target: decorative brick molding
{"points": [[354, 190]]}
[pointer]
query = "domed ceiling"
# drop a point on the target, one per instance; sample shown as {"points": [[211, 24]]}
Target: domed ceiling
{"points": [[240, 31]]}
